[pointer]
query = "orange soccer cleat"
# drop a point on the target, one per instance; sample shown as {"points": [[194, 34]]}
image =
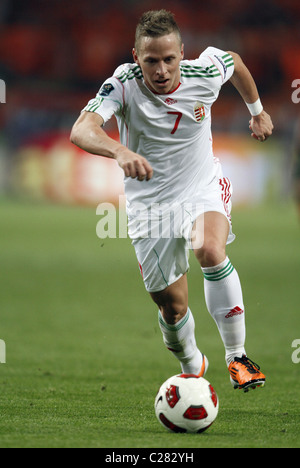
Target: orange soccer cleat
{"points": [[245, 374]]}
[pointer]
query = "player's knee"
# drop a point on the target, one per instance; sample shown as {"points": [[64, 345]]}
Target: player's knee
{"points": [[172, 309], [173, 312], [173, 301], [212, 253]]}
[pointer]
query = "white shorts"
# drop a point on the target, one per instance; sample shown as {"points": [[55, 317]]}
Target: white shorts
{"points": [[162, 237]]}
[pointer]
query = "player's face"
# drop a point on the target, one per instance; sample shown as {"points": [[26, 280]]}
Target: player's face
{"points": [[159, 59]]}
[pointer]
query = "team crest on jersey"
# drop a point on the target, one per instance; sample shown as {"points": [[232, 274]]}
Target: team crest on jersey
{"points": [[106, 89], [199, 111]]}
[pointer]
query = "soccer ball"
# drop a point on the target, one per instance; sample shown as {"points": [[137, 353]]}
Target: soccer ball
{"points": [[186, 403]]}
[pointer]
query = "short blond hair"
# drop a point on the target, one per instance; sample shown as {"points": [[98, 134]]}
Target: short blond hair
{"points": [[156, 23]]}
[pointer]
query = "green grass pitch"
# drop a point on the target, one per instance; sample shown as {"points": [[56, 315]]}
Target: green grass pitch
{"points": [[84, 354]]}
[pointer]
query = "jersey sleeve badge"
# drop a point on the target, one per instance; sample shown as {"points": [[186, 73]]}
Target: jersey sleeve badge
{"points": [[106, 89]]}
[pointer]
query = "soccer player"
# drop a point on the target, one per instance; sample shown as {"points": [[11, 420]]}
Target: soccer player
{"points": [[162, 104]]}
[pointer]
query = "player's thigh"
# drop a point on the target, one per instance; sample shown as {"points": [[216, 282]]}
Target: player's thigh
{"points": [[209, 238]]}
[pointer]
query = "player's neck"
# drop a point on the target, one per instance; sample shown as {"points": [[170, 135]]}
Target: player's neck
{"points": [[165, 94]]}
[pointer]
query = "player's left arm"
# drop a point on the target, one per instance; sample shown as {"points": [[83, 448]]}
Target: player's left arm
{"points": [[260, 124]]}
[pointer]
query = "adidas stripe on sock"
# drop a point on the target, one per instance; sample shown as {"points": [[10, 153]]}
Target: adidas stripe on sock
{"points": [[218, 272]]}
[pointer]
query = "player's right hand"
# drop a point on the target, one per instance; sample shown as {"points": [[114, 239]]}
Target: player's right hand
{"points": [[134, 165]]}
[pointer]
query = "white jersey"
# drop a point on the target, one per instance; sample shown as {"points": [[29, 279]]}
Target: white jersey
{"points": [[172, 131]]}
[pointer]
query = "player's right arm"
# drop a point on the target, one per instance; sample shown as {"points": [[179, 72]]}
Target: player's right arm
{"points": [[87, 133], [261, 125]]}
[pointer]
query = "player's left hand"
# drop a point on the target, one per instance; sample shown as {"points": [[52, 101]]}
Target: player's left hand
{"points": [[261, 126]]}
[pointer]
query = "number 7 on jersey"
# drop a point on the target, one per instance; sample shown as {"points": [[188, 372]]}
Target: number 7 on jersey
{"points": [[179, 115]]}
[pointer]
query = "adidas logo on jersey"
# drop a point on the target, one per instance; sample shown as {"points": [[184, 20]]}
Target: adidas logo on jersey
{"points": [[170, 101], [236, 311]]}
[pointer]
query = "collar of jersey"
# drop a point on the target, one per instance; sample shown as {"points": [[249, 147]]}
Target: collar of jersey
{"points": [[165, 94]]}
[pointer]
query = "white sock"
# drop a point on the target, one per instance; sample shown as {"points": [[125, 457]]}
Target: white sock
{"points": [[180, 340], [224, 300]]}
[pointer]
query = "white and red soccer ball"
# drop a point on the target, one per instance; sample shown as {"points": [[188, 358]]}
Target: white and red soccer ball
{"points": [[186, 403]]}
